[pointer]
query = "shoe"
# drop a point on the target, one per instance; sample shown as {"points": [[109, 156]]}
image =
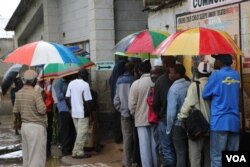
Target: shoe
{"points": [[81, 156]]}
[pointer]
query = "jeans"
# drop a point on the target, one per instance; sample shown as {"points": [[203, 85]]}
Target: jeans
{"points": [[220, 141], [148, 147], [167, 145], [181, 145]]}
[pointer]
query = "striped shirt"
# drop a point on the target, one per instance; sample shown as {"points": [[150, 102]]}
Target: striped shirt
{"points": [[29, 103]]}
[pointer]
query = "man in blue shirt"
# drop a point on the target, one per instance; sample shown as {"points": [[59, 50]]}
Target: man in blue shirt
{"points": [[223, 89], [175, 98]]}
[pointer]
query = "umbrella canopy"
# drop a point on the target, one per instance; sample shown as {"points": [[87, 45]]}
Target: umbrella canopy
{"points": [[141, 42], [9, 77], [198, 41], [60, 70], [41, 52], [136, 55]]}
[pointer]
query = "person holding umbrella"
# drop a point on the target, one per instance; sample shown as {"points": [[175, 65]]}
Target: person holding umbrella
{"points": [[30, 105], [223, 88]]}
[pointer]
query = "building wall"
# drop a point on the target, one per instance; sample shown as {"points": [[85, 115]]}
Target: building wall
{"points": [[38, 34], [73, 21], [6, 45], [129, 17]]}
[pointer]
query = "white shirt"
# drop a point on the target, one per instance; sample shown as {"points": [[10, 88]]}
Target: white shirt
{"points": [[76, 89]]}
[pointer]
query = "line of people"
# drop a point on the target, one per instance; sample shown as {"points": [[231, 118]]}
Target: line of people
{"points": [[33, 104], [155, 103]]}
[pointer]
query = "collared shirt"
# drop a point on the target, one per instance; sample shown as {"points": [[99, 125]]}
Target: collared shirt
{"points": [[29, 103], [176, 96], [60, 87], [223, 89], [138, 100], [192, 100], [121, 96]]}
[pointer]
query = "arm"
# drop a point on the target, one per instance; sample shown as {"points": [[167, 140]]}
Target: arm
{"points": [[171, 110], [132, 99], [209, 88], [40, 105], [190, 100], [157, 98], [117, 101]]}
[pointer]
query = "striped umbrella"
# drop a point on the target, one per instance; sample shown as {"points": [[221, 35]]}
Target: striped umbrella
{"points": [[58, 70], [142, 42], [40, 53], [198, 41]]}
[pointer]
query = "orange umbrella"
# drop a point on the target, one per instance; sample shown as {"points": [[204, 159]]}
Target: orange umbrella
{"points": [[198, 41]]}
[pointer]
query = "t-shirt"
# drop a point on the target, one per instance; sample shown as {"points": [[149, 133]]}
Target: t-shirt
{"points": [[77, 89]]}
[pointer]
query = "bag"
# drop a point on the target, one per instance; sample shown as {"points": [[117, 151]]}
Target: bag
{"points": [[196, 125], [152, 116]]}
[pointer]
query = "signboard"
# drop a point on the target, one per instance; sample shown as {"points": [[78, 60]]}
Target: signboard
{"points": [[104, 65], [197, 5]]}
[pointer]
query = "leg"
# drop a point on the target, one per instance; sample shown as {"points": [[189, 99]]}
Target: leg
{"points": [[180, 145], [36, 136], [206, 151], [49, 132], [81, 125], [215, 148], [154, 144], [145, 146], [67, 133], [167, 146], [127, 132], [233, 141], [195, 151], [136, 158], [24, 145]]}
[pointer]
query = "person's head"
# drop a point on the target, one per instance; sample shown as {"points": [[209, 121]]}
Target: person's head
{"points": [[168, 61], [83, 74], [176, 72], [155, 72], [144, 67], [30, 77], [204, 69], [222, 60], [18, 82], [129, 67]]}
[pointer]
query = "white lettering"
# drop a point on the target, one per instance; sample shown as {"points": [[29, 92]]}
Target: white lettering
{"points": [[236, 158]]}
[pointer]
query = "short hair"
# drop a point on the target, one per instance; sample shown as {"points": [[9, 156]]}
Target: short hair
{"points": [[180, 69], [145, 66], [84, 74], [130, 66]]}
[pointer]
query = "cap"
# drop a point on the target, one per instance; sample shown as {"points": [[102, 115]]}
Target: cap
{"points": [[204, 68], [224, 58], [29, 75]]}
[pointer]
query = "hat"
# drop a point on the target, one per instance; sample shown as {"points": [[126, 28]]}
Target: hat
{"points": [[204, 68], [29, 75], [224, 58]]}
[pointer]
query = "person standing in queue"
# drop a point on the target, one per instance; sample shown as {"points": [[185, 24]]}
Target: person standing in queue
{"points": [[30, 105]]}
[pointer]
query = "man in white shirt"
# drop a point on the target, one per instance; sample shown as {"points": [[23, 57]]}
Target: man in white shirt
{"points": [[79, 93]]}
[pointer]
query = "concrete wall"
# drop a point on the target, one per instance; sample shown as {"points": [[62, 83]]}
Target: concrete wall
{"points": [[73, 21], [161, 18], [6, 45], [129, 17]]}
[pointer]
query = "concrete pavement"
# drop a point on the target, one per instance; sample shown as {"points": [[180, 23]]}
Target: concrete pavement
{"points": [[109, 156]]}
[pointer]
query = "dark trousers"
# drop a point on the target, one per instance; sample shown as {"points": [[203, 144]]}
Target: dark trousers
{"points": [[49, 132], [136, 158], [67, 133], [180, 141], [117, 127]]}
